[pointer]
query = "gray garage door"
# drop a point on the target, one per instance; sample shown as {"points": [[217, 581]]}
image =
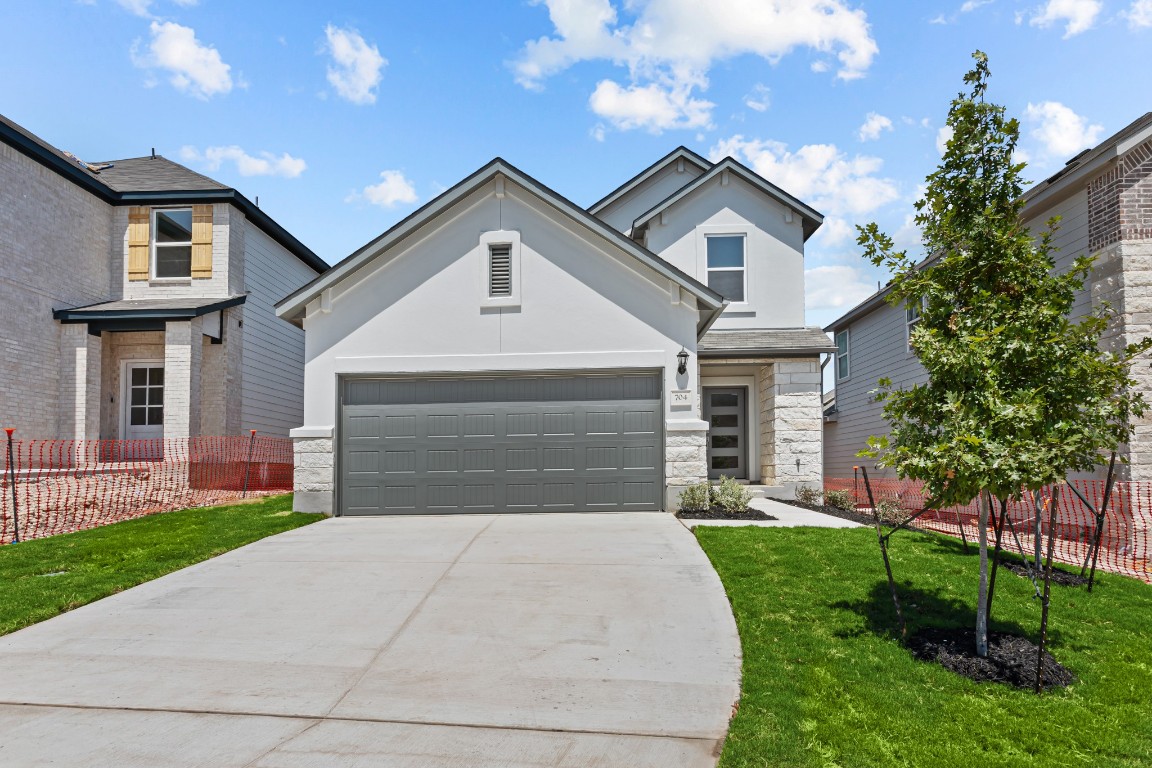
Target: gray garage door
{"points": [[501, 444]]}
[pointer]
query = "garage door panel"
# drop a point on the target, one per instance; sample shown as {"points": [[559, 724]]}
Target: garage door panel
{"points": [[549, 443]]}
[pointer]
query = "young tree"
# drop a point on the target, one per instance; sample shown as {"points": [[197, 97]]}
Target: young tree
{"points": [[1020, 392]]}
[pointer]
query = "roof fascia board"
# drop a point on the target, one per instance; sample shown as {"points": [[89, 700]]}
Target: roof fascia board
{"points": [[30, 148], [292, 305], [747, 175], [680, 153], [713, 354]]}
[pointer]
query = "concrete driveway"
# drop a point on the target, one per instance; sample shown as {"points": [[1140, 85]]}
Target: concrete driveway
{"points": [[518, 640]]}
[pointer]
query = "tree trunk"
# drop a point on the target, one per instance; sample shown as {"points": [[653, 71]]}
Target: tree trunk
{"points": [[982, 595], [999, 526]]}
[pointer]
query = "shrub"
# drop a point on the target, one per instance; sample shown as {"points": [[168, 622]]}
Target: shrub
{"points": [[891, 511], [810, 496], [840, 500], [730, 496], [696, 498]]}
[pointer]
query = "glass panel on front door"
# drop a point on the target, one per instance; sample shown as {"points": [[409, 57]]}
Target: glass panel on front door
{"points": [[143, 401], [724, 410]]}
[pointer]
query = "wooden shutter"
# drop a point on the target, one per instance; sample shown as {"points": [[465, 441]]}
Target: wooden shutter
{"points": [[139, 242], [201, 241]]}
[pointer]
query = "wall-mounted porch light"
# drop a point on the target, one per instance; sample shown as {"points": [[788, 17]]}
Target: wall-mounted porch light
{"points": [[682, 356]]}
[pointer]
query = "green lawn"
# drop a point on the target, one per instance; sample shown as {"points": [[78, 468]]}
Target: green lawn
{"points": [[44, 577], [826, 684]]}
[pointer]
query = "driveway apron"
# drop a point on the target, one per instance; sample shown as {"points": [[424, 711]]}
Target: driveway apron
{"points": [[506, 640]]}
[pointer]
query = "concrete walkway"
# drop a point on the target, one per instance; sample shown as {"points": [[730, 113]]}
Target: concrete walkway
{"points": [[787, 516], [529, 640]]}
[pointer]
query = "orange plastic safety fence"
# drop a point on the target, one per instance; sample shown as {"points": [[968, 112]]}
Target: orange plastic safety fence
{"points": [[70, 485], [1125, 542]]}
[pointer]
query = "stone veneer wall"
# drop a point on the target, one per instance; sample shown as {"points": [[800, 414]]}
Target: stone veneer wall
{"points": [[1120, 234], [685, 458], [313, 477], [791, 423]]}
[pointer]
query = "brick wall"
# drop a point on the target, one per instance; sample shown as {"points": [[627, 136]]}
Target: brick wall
{"points": [[55, 241]]}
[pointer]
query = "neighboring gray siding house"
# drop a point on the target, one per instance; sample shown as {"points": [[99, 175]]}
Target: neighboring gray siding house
{"points": [[503, 349], [136, 298], [1104, 199]]}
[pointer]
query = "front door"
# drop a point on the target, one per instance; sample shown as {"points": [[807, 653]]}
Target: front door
{"points": [[724, 410], [143, 399]]}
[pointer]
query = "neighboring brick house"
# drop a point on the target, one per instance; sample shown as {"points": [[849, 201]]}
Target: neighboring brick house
{"points": [[136, 298], [1104, 199]]}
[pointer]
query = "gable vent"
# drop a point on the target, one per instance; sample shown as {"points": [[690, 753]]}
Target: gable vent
{"points": [[500, 269]]}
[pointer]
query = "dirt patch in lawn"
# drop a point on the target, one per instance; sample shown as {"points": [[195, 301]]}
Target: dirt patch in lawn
{"points": [[716, 513], [1063, 578], [1011, 659]]}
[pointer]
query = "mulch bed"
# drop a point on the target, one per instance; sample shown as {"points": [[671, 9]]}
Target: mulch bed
{"points": [[1062, 578], [1011, 659], [716, 513]]}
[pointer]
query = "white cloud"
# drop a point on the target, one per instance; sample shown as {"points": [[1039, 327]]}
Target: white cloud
{"points": [[759, 99], [668, 47], [1139, 14], [1060, 131], [943, 136], [356, 67], [1076, 15], [971, 5], [819, 174], [143, 8], [652, 107], [873, 126], [193, 67], [392, 190], [836, 287], [263, 164]]}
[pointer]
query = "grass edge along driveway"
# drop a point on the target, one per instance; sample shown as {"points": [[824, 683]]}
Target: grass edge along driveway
{"points": [[825, 683], [42, 578]]}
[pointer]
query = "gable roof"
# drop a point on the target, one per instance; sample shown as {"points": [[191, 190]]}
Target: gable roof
{"points": [[811, 219], [149, 181], [680, 153], [292, 307]]}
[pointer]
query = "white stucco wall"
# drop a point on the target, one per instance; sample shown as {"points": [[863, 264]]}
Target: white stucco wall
{"points": [[584, 305], [774, 249], [644, 196]]}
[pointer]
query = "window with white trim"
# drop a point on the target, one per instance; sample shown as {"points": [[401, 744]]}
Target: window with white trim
{"points": [[726, 266], [172, 242], [842, 355], [912, 315]]}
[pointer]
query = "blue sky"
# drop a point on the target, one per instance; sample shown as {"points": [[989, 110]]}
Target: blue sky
{"points": [[343, 117]]}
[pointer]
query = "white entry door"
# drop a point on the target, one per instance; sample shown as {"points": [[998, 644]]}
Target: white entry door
{"points": [[143, 399]]}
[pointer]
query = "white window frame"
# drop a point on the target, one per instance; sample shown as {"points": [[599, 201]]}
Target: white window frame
{"points": [[910, 322], [847, 355], [511, 238], [743, 235], [153, 244]]}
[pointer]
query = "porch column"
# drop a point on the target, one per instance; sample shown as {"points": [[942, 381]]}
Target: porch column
{"points": [[791, 423], [183, 350], [79, 384]]}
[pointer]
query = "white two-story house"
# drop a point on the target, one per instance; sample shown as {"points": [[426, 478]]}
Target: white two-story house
{"points": [[136, 301], [504, 349]]}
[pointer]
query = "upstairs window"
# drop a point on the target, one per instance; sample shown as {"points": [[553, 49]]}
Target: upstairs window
{"points": [[726, 272], [842, 355], [172, 243], [912, 314], [499, 270]]}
